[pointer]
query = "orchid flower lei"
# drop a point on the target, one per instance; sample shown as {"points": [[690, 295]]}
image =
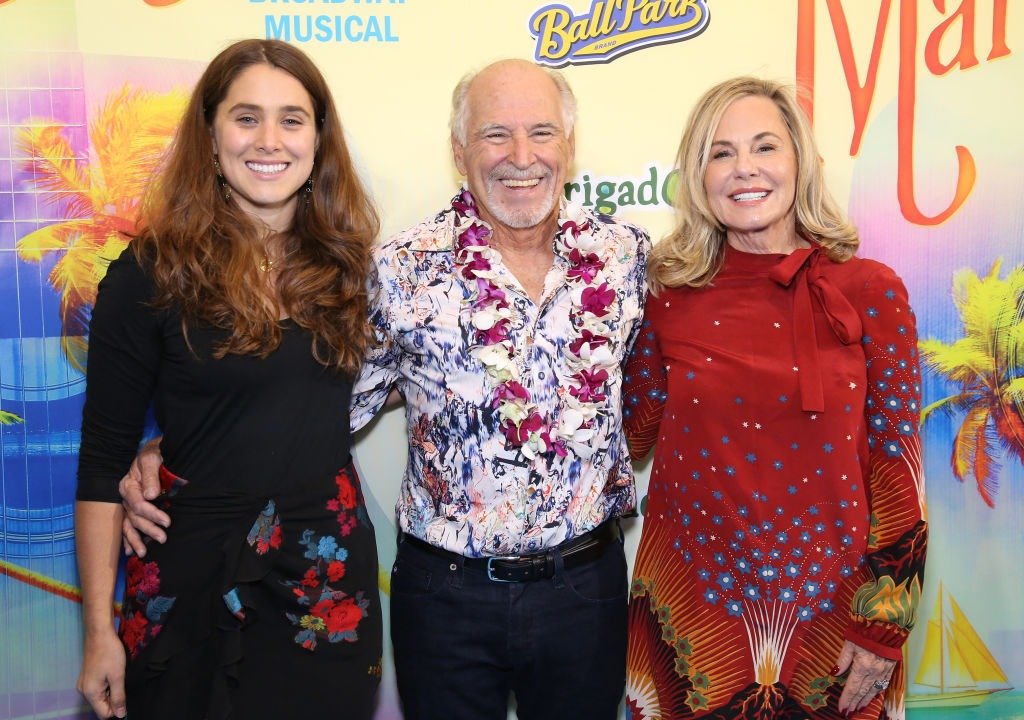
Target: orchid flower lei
{"points": [[587, 354]]}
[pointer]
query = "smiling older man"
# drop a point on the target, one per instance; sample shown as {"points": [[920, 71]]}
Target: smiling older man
{"points": [[503, 321]]}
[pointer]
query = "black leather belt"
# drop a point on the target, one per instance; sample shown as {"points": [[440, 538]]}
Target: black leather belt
{"points": [[524, 568]]}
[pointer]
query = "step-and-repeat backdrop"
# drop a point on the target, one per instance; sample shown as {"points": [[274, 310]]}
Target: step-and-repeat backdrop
{"points": [[917, 105]]}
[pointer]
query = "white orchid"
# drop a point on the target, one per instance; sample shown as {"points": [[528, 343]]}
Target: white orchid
{"points": [[496, 360], [486, 318]]}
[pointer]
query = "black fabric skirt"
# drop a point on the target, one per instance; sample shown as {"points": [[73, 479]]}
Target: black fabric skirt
{"points": [[255, 607]]}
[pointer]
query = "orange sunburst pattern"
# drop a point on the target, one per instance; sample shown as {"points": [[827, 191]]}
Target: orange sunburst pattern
{"points": [[676, 625]]}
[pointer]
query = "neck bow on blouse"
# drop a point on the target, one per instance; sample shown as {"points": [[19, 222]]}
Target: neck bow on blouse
{"points": [[802, 272]]}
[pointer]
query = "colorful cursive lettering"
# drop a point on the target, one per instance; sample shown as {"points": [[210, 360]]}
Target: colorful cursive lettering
{"points": [[613, 27]]}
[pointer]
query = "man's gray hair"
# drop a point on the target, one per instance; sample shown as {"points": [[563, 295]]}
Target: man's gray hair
{"points": [[460, 104]]}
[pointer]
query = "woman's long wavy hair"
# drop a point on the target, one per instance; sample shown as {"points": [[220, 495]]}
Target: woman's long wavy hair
{"points": [[204, 251], [692, 253]]}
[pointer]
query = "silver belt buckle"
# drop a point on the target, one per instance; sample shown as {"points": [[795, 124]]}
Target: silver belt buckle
{"points": [[490, 566]]}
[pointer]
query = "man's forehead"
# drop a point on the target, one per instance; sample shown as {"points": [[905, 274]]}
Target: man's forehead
{"points": [[522, 102]]}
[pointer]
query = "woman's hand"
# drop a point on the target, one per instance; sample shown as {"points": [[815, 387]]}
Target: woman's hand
{"points": [[869, 676], [101, 680]]}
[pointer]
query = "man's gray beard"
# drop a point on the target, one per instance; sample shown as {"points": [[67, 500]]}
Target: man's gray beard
{"points": [[519, 219]]}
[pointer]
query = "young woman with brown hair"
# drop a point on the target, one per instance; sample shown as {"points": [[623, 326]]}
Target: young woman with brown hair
{"points": [[239, 313]]}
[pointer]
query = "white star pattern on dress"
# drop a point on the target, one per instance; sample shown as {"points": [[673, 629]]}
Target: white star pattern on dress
{"points": [[758, 492]]}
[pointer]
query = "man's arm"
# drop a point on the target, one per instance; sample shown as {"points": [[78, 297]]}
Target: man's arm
{"points": [[374, 388]]}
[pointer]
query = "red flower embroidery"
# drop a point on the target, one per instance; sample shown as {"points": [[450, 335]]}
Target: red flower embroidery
{"points": [[335, 570], [340, 616], [133, 632], [144, 609], [347, 496]]}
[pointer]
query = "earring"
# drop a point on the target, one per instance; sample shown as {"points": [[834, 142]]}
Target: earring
{"points": [[307, 190], [225, 189]]}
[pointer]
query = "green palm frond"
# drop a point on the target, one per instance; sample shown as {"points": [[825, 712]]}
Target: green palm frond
{"points": [[1015, 390], [989, 307], [8, 418], [963, 361], [947, 404]]}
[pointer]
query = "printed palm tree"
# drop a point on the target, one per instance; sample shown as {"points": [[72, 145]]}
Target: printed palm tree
{"points": [[988, 366], [128, 136]]}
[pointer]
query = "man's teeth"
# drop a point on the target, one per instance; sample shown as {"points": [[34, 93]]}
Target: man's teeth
{"points": [[520, 183], [750, 196], [264, 168]]}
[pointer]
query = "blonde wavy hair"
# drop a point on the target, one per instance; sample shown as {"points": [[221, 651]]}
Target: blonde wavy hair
{"points": [[692, 253]]}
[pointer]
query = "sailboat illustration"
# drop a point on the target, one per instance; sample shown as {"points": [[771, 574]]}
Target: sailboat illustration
{"points": [[955, 661]]}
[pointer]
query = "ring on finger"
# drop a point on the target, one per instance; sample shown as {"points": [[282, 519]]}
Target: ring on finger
{"points": [[880, 685]]}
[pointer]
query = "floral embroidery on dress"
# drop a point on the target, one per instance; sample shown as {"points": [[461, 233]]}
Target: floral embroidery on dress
{"points": [[345, 503], [170, 485], [266, 531], [332, 614], [144, 610]]}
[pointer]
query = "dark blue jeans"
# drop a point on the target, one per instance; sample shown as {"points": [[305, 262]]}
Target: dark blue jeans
{"points": [[462, 642]]}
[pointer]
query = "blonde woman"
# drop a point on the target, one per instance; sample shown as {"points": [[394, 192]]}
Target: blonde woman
{"points": [[776, 378]]}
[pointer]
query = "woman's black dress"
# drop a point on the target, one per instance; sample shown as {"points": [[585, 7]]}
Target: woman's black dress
{"points": [[263, 602]]}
